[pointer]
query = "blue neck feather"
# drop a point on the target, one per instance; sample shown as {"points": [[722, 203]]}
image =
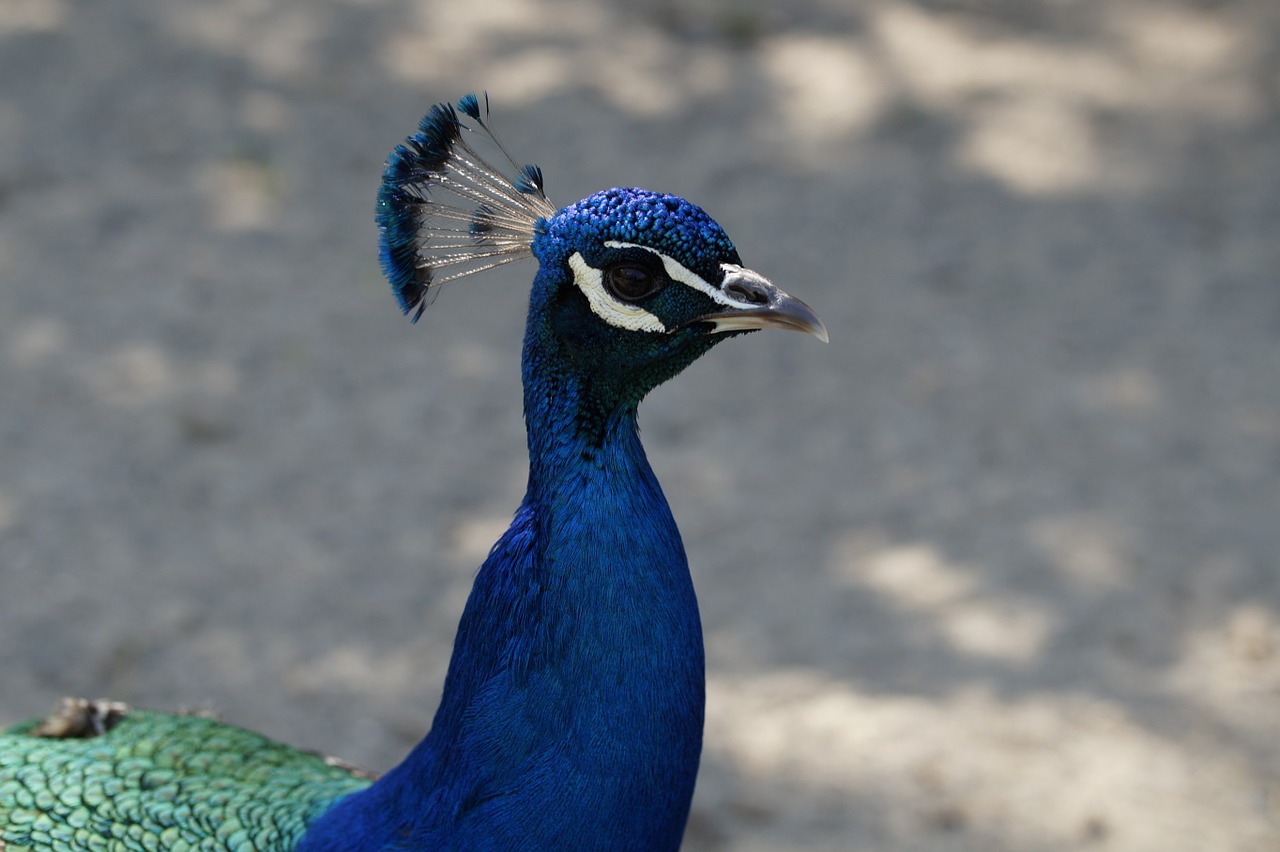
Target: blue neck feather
{"points": [[572, 712]]}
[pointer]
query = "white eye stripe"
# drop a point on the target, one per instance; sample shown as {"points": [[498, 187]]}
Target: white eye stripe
{"points": [[618, 314], [676, 271]]}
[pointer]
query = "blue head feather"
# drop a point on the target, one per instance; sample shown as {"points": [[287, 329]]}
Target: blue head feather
{"points": [[399, 221], [470, 104], [666, 223], [529, 180]]}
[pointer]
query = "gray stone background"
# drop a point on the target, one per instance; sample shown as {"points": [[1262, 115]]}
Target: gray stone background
{"points": [[997, 569]]}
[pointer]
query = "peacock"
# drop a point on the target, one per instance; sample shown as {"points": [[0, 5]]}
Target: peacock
{"points": [[572, 712]]}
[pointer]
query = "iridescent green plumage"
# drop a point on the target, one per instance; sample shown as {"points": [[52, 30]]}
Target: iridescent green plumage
{"points": [[161, 782]]}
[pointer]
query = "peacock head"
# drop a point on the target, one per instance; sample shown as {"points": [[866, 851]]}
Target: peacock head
{"points": [[632, 283]]}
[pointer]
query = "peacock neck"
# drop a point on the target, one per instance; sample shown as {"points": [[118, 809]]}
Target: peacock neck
{"points": [[573, 708]]}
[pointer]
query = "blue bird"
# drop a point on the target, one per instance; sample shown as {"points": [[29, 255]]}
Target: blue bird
{"points": [[572, 712]]}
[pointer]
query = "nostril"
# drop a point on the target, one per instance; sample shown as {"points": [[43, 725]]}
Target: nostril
{"points": [[746, 291]]}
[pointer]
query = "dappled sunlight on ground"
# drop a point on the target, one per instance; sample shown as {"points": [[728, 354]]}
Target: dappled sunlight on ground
{"points": [[1003, 771], [1233, 666], [948, 598]]}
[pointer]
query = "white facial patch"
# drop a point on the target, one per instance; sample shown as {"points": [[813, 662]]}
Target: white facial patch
{"points": [[618, 314], [678, 272]]}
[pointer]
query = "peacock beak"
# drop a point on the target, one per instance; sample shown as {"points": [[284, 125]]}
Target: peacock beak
{"points": [[762, 305]]}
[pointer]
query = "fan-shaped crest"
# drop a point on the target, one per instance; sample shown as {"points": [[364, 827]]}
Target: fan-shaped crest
{"points": [[445, 212]]}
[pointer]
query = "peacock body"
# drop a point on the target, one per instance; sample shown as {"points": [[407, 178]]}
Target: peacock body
{"points": [[572, 712]]}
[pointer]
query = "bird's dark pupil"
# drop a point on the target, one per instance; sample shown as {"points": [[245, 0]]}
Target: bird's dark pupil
{"points": [[629, 282]]}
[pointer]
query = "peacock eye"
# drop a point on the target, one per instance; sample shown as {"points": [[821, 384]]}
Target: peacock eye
{"points": [[630, 283]]}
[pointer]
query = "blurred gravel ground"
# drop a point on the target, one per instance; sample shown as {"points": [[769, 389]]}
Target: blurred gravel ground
{"points": [[998, 569]]}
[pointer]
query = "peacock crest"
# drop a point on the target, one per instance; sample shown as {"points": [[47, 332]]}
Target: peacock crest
{"points": [[445, 212]]}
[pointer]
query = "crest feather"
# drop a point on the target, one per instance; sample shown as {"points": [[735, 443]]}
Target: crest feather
{"points": [[444, 212]]}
